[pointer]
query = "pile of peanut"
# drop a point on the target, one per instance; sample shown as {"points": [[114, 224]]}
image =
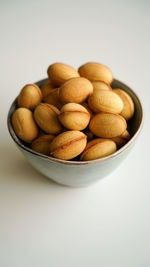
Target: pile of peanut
{"points": [[75, 114]]}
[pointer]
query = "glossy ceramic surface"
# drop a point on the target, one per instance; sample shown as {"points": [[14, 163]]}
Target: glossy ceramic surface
{"points": [[77, 173]]}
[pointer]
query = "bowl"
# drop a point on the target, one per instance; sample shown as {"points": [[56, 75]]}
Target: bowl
{"points": [[80, 173]]}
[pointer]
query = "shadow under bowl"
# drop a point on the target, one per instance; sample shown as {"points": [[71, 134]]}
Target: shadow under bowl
{"points": [[80, 173]]}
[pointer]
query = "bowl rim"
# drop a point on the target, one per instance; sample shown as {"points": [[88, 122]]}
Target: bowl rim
{"points": [[72, 162]]}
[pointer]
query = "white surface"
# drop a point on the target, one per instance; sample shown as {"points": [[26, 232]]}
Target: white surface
{"points": [[44, 224]]}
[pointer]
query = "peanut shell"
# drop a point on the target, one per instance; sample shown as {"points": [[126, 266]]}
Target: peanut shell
{"points": [[68, 145], [128, 108], [46, 117], [119, 141], [105, 101], [24, 124], [60, 73], [53, 98], [96, 72], [74, 116], [98, 148], [107, 125], [125, 135], [75, 90], [46, 88], [98, 85], [30, 96], [41, 144], [122, 139]]}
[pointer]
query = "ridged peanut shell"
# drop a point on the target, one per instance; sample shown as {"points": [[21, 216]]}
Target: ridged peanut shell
{"points": [[96, 72], [98, 148], [128, 108], [41, 144], [53, 98], [68, 145], [122, 139], [106, 101], [119, 141], [46, 117], [75, 90], [107, 125], [30, 96], [98, 85], [46, 88], [74, 116], [126, 135], [24, 124], [60, 72]]}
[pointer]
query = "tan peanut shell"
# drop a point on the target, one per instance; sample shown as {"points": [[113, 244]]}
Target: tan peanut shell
{"points": [[30, 96], [98, 148], [46, 117], [122, 139], [68, 145], [98, 85], [24, 124], [106, 101], [107, 125], [41, 144], [53, 98], [128, 108], [119, 141], [60, 73], [96, 72], [125, 135], [46, 88], [74, 116], [75, 90]]}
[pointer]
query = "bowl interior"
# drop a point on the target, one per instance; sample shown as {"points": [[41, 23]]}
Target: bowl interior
{"points": [[135, 125]]}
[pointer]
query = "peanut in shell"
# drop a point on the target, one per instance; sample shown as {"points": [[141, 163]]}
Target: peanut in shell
{"points": [[30, 96], [128, 107], [122, 139], [96, 72], [119, 141], [126, 135], [41, 144], [24, 125], [46, 117], [74, 116], [98, 85], [68, 145], [53, 98], [60, 73], [98, 148], [75, 90], [107, 125], [105, 101], [46, 88]]}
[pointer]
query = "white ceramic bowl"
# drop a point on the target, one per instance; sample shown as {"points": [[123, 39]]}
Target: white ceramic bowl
{"points": [[80, 173]]}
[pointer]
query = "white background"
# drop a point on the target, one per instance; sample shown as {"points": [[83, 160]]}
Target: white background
{"points": [[42, 223]]}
